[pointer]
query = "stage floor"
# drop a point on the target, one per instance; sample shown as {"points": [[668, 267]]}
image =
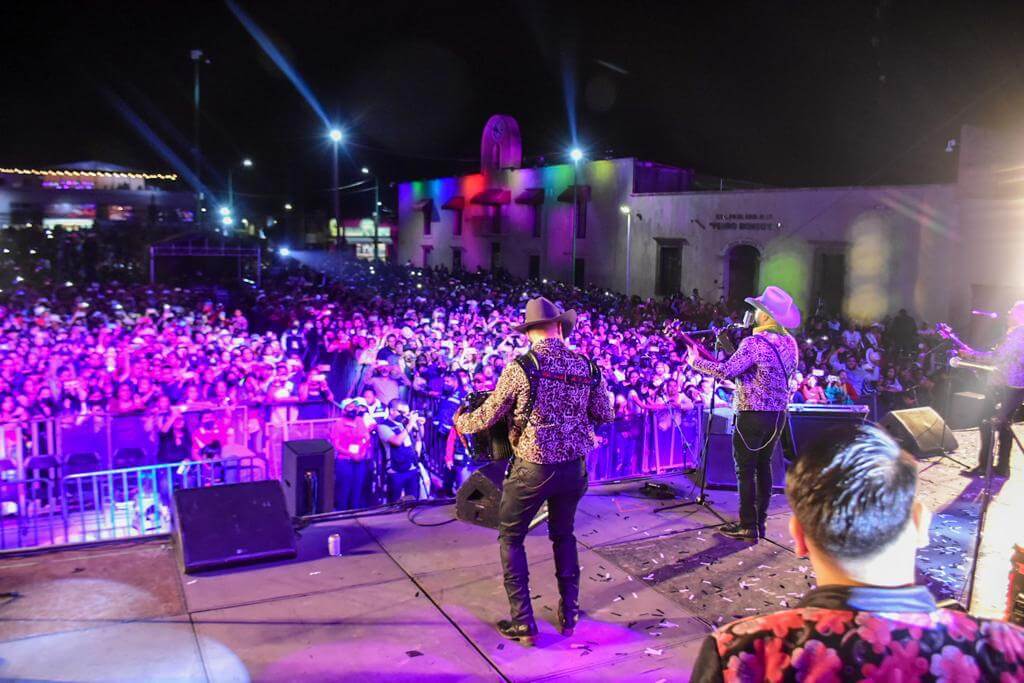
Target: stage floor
{"points": [[406, 602]]}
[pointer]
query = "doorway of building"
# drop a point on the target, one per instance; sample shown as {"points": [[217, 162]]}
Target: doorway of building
{"points": [[830, 283], [495, 256], [742, 268], [670, 270], [534, 267]]}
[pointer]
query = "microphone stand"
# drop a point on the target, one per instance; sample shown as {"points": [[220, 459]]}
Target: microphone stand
{"points": [[986, 491], [702, 499], [986, 498]]}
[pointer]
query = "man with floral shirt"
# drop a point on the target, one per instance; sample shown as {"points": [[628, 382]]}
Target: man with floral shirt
{"points": [[857, 516], [552, 401]]}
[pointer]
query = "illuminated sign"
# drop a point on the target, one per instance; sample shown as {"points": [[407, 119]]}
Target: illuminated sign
{"points": [[745, 221], [120, 212], [70, 210]]}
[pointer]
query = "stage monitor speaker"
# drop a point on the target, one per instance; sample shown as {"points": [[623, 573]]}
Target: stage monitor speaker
{"points": [[922, 431], [478, 499], [808, 422], [307, 472], [722, 467], [965, 409], [223, 526]]}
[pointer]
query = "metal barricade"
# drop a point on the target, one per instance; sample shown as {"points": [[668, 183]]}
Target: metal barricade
{"points": [[30, 513], [25, 439], [136, 501], [111, 503]]}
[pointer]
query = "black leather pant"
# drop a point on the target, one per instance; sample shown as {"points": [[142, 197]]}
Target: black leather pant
{"points": [[1008, 400], [753, 442], [527, 486]]}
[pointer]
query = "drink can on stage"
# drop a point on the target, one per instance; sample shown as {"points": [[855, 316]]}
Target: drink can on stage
{"points": [[334, 545], [1015, 593]]}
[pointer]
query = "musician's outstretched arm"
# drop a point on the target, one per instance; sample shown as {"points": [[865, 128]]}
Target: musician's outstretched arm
{"points": [[736, 364], [512, 383], [974, 354]]}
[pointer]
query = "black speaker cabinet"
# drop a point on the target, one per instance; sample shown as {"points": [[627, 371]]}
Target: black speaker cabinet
{"points": [[722, 468], [307, 473], [808, 422], [477, 500], [965, 409], [922, 431], [222, 526]]}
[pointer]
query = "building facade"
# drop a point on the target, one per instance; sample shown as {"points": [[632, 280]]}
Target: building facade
{"points": [[92, 194], [937, 250]]}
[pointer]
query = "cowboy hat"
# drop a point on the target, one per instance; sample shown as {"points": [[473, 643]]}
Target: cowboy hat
{"points": [[778, 305], [541, 311]]}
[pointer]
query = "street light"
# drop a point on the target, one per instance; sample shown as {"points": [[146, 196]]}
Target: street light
{"points": [[225, 211], [576, 154], [376, 210], [288, 207], [246, 163], [629, 241], [335, 135]]}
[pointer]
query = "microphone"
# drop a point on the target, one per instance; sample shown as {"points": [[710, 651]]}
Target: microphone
{"points": [[984, 314], [748, 320], [958, 362]]}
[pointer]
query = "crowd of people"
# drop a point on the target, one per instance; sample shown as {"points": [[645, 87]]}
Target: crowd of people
{"points": [[393, 336]]}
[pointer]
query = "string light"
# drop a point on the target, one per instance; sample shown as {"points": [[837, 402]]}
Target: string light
{"points": [[90, 174]]}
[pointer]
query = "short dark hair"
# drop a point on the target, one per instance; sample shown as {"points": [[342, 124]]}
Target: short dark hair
{"points": [[852, 490]]}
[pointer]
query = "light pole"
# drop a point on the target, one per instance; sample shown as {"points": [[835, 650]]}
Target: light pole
{"points": [[576, 154], [335, 135], [376, 210], [246, 163], [197, 58], [629, 242]]}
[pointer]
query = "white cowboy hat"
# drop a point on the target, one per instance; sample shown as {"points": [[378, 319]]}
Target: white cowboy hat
{"points": [[541, 310], [776, 303]]}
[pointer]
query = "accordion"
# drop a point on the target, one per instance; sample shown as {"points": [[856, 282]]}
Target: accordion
{"points": [[490, 444]]}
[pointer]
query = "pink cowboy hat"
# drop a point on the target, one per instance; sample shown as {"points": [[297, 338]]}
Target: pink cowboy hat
{"points": [[776, 303]]}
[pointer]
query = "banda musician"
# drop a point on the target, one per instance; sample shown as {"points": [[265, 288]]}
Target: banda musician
{"points": [[760, 368], [1006, 391], [553, 403]]}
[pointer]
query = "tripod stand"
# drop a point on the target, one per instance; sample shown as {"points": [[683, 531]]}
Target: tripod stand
{"points": [[702, 498], [986, 499]]}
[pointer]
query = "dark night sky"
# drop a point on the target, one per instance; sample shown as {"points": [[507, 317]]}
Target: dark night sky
{"points": [[785, 93]]}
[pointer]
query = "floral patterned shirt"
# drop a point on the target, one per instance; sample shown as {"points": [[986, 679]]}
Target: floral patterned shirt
{"points": [[840, 633], [561, 425], [760, 383]]}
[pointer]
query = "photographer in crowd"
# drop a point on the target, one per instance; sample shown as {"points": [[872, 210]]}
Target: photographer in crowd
{"points": [[401, 432]]}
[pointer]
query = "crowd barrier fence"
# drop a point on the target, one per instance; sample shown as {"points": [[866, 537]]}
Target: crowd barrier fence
{"points": [[110, 504], [84, 478]]}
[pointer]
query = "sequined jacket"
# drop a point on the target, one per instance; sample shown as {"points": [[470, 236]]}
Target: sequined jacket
{"points": [[760, 383], [1008, 358], [842, 633], [560, 427]]}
